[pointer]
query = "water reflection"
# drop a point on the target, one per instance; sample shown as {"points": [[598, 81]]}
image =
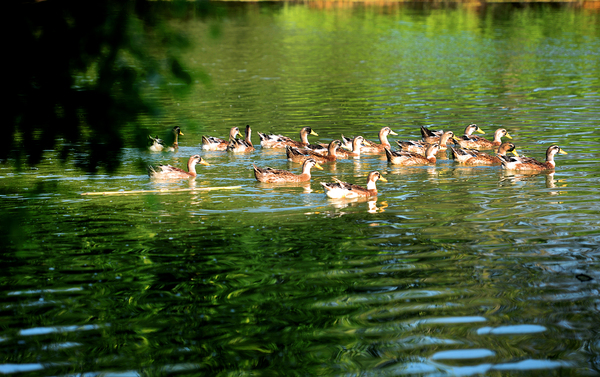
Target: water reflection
{"points": [[427, 171], [274, 187], [342, 203], [520, 179]]}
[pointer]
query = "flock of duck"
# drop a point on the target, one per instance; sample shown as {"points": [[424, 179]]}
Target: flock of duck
{"points": [[465, 149]]}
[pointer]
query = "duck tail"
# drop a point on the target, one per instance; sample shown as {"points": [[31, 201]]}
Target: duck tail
{"points": [[388, 153], [150, 170], [454, 153], [425, 132]]}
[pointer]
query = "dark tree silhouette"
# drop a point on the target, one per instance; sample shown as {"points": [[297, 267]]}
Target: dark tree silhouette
{"points": [[76, 71]]}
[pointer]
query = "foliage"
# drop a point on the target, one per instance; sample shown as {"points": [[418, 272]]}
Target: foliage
{"points": [[77, 74]]}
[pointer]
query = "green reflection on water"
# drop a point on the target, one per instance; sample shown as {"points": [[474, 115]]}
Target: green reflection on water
{"points": [[280, 279]]}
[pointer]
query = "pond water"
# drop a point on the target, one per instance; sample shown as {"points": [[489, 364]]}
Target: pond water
{"points": [[451, 270]]}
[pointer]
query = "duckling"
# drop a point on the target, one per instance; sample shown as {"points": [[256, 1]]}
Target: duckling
{"points": [[357, 144], [383, 139], [271, 175], [475, 157], [301, 155], [408, 158], [339, 189], [211, 143], [420, 147], [527, 163], [280, 141], [238, 145], [170, 172], [159, 145], [477, 142]]}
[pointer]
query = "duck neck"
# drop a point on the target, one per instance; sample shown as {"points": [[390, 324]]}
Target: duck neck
{"points": [[550, 159], [498, 136], [371, 186], [444, 138], [304, 137], [430, 154], [306, 169], [192, 168], [383, 138], [248, 132], [332, 149]]}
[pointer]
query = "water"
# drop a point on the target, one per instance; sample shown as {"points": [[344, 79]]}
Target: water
{"points": [[452, 270]]}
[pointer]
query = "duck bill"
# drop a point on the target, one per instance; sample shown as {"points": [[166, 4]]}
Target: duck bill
{"points": [[508, 136], [313, 133], [318, 167], [382, 179], [366, 143], [561, 151], [181, 133], [393, 133], [515, 153], [203, 162], [479, 130]]}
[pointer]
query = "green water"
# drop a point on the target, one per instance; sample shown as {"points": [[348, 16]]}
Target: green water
{"points": [[451, 270]]}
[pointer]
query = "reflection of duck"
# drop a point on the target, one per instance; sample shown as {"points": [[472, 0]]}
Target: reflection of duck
{"points": [[418, 146], [339, 189], [477, 142], [301, 155], [239, 145], [371, 147], [280, 141], [527, 163], [211, 143], [408, 158], [475, 157], [170, 172], [271, 175], [159, 145]]}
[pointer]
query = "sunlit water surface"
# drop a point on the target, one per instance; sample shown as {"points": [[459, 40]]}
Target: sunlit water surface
{"points": [[451, 270]]}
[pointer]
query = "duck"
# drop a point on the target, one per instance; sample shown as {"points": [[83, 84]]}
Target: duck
{"points": [[475, 157], [211, 143], [528, 163], [159, 145], [419, 146], [357, 144], [239, 145], [170, 172], [374, 147], [409, 158], [270, 175], [339, 189], [280, 141], [480, 143], [301, 155]]}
